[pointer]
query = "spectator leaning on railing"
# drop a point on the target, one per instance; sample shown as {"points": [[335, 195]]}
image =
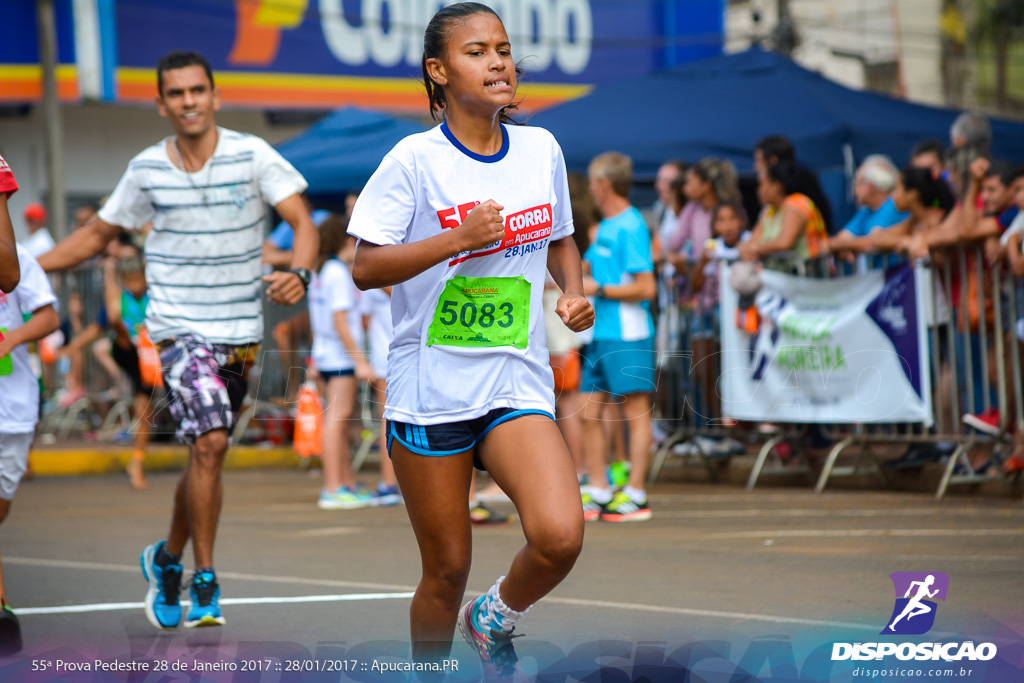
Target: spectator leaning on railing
{"points": [[789, 221], [777, 149], [873, 186], [992, 182], [1014, 247], [923, 199]]}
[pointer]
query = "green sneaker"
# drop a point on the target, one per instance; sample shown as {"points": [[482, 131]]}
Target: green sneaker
{"points": [[591, 508], [623, 509]]}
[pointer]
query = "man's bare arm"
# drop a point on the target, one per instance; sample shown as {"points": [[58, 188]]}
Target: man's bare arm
{"points": [[79, 246]]}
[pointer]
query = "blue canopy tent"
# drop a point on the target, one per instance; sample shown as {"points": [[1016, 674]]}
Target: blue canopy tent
{"points": [[723, 105], [339, 153]]}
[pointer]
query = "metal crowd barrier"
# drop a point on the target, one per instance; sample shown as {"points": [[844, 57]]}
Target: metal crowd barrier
{"points": [[958, 357], [686, 409]]}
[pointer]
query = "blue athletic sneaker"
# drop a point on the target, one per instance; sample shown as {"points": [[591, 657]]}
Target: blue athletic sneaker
{"points": [[163, 608], [205, 602], [345, 499], [497, 653], [386, 495]]}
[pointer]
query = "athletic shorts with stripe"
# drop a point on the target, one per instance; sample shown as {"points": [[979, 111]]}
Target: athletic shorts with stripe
{"points": [[206, 383], [452, 437]]}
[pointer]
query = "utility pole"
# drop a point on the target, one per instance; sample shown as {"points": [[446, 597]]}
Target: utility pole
{"points": [[785, 36], [47, 27]]}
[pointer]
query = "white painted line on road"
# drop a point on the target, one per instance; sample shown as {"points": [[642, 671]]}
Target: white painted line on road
{"points": [[114, 606], [353, 597], [328, 531], [407, 590], [824, 513], [856, 533], [134, 569], [960, 558], [690, 612]]}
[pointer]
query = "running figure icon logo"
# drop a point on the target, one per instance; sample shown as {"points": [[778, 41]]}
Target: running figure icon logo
{"points": [[914, 612]]}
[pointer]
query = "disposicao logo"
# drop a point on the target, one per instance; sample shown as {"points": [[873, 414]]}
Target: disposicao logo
{"points": [[914, 614]]}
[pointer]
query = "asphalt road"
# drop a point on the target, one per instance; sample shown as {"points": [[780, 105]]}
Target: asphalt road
{"points": [[721, 585]]}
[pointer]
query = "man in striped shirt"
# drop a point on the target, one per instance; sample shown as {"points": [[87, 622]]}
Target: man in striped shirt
{"points": [[205, 189]]}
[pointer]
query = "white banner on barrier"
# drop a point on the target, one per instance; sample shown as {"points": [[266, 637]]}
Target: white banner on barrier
{"points": [[850, 349]]}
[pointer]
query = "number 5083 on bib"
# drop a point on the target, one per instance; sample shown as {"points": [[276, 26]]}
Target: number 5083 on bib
{"points": [[482, 312]]}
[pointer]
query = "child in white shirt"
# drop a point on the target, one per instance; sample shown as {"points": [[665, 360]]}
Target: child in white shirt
{"points": [[19, 396]]}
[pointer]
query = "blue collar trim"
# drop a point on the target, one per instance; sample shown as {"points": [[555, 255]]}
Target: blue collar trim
{"points": [[498, 156]]}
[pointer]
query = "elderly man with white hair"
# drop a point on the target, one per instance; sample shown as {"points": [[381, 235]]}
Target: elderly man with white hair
{"points": [[873, 186]]}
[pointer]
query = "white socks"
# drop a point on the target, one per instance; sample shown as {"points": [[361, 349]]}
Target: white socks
{"points": [[495, 614], [638, 496]]}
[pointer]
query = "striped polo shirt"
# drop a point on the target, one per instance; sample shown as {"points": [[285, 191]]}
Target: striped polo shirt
{"points": [[203, 254]]}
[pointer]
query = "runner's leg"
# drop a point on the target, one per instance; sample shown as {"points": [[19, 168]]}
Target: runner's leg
{"points": [[435, 491], [337, 457], [178, 535], [204, 493], [595, 444], [143, 414], [5, 507], [541, 481], [387, 470], [637, 408]]}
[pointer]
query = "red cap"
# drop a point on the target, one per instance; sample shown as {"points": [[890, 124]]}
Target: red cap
{"points": [[35, 212]]}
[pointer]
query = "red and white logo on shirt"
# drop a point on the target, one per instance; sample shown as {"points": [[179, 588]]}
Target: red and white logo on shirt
{"points": [[526, 226], [7, 182]]}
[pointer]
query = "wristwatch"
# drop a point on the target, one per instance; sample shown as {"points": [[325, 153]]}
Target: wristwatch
{"points": [[600, 292], [304, 274]]}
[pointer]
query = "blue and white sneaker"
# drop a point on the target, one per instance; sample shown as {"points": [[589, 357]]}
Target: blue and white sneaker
{"points": [[345, 499], [163, 608], [386, 495], [205, 609]]}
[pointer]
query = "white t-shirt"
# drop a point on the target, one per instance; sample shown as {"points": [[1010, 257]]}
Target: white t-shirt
{"points": [[19, 388], [376, 305], [203, 255], [39, 242], [669, 223], [426, 184], [332, 290], [1017, 225]]}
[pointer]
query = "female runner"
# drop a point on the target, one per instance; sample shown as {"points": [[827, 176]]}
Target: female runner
{"points": [[464, 220]]}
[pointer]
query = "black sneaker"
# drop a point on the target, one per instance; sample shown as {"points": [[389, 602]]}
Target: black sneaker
{"points": [[480, 514], [10, 632], [205, 595], [915, 457]]}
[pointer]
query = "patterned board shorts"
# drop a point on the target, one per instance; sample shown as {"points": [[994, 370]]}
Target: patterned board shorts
{"points": [[206, 383]]}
